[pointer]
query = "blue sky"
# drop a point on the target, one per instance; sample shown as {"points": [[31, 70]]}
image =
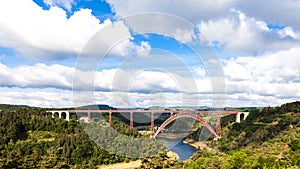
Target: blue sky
{"points": [[100, 8], [43, 44]]}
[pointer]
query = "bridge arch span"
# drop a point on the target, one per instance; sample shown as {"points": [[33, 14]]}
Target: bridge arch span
{"points": [[56, 114], [64, 115], [188, 115]]}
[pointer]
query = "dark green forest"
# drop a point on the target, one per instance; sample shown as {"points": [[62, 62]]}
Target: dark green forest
{"points": [[32, 139]]}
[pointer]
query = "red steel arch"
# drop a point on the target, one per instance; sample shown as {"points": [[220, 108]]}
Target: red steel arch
{"points": [[189, 115]]}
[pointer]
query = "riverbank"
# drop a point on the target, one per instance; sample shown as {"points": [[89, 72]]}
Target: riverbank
{"points": [[172, 155], [195, 144]]}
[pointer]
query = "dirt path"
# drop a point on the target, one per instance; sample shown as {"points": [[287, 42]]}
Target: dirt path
{"points": [[129, 165]]}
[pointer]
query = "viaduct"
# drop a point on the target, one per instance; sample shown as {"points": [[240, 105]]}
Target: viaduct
{"points": [[174, 114]]}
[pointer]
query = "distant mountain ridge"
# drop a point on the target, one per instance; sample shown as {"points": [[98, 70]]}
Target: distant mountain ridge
{"points": [[9, 106], [97, 107]]}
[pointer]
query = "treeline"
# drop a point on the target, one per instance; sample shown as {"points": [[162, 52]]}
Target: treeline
{"points": [[12, 107], [30, 138]]}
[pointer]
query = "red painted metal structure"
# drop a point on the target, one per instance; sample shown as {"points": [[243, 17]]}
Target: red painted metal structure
{"points": [[190, 115], [174, 114]]}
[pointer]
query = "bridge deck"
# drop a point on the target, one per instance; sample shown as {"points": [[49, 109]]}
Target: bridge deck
{"points": [[153, 111]]}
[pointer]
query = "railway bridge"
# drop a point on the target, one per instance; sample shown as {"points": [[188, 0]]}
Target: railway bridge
{"points": [[174, 114]]}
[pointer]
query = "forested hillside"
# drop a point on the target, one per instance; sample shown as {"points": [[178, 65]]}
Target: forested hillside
{"points": [[268, 138], [29, 138]]}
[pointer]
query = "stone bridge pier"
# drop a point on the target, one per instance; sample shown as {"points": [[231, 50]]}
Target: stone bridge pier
{"points": [[244, 115], [60, 113]]}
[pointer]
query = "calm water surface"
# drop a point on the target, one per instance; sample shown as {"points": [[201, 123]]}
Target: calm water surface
{"points": [[184, 151]]}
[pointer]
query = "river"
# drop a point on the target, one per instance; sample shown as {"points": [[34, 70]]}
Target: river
{"points": [[184, 151]]}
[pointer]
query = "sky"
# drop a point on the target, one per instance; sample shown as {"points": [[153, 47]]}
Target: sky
{"points": [[64, 53]]}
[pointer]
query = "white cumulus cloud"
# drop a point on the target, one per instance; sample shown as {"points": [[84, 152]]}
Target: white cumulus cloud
{"points": [[273, 75], [270, 79], [244, 34], [28, 29], [193, 11]]}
